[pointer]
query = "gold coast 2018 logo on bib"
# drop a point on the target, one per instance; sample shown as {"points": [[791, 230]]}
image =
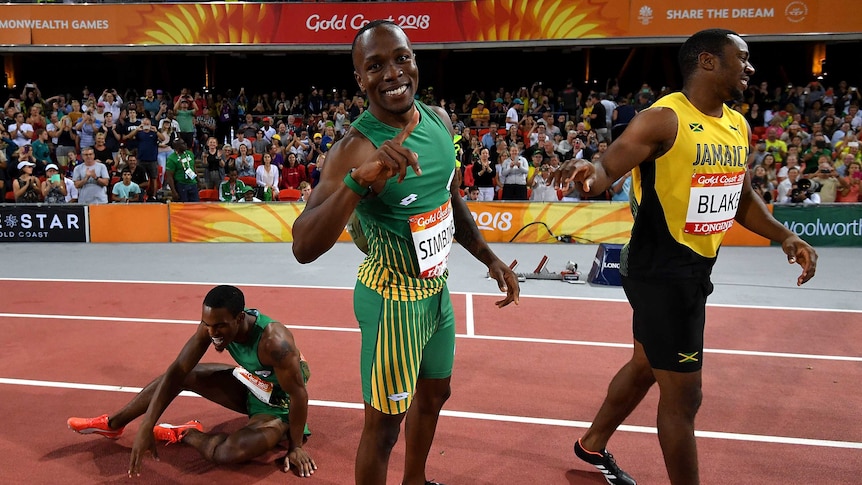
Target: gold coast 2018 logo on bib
{"points": [[433, 232], [712, 202]]}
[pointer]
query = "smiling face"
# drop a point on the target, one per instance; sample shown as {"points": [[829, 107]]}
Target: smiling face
{"points": [[385, 69], [221, 325], [736, 69]]}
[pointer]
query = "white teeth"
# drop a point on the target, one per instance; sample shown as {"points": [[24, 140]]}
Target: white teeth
{"points": [[396, 92], [218, 341]]}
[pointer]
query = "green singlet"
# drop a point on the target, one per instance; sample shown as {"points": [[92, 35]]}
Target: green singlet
{"points": [[403, 310]]}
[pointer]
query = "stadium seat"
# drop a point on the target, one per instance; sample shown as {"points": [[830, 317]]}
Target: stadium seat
{"points": [[249, 180], [208, 195], [10, 196], [289, 195]]}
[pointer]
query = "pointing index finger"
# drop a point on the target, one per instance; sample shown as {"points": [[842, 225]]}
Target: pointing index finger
{"points": [[399, 138]]}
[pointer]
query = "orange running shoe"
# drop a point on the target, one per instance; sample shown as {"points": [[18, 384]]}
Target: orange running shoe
{"points": [[174, 433], [98, 425]]}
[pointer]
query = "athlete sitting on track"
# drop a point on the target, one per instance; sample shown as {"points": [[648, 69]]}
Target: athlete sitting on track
{"points": [[269, 387]]}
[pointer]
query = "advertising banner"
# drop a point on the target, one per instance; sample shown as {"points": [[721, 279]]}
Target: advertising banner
{"points": [[212, 222], [115, 223], [470, 21], [527, 222], [43, 223], [538, 222], [824, 225]]}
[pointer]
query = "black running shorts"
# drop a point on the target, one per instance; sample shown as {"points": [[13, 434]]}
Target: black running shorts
{"points": [[668, 320]]}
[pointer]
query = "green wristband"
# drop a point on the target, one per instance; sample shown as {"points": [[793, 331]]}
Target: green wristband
{"points": [[351, 183]]}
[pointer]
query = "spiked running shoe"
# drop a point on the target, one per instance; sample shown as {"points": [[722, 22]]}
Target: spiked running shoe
{"points": [[97, 425], [606, 464], [170, 433]]}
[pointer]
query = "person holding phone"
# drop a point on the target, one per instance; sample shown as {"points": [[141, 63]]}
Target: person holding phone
{"points": [[54, 187]]}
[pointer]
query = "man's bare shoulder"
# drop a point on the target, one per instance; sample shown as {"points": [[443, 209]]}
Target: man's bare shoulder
{"points": [[352, 144], [276, 343], [656, 124]]}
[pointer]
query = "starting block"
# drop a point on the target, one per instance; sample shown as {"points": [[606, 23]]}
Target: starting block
{"points": [[570, 274]]}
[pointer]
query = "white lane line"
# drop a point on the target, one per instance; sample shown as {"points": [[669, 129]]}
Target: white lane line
{"points": [[471, 328], [499, 338], [350, 288], [789, 440]]}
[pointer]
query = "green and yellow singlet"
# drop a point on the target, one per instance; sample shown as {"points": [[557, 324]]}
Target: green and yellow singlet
{"points": [[410, 225]]}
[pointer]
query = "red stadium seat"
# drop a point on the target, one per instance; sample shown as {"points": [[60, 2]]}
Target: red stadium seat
{"points": [[208, 195], [249, 180], [289, 195]]}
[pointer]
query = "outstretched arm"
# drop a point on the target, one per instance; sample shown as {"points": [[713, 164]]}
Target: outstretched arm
{"points": [[754, 215], [169, 387], [278, 349], [648, 135], [467, 234]]}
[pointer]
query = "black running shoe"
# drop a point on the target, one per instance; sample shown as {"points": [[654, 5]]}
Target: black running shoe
{"points": [[604, 461]]}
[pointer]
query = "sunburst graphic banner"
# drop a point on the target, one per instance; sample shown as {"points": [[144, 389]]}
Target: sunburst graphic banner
{"points": [[320, 25]]}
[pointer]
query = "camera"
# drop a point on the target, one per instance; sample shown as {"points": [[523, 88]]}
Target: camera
{"points": [[825, 170]]}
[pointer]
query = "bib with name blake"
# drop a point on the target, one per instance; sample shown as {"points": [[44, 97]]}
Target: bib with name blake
{"points": [[712, 202], [433, 232]]}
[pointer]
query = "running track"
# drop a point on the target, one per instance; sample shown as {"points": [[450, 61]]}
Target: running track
{"points": [[781, 388]]}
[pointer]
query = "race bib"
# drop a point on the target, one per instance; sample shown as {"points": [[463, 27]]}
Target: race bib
{"points": [[712, 202], [259, 387], [432, 233]]}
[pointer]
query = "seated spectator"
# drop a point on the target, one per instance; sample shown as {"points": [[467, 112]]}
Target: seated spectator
{"points": [[240, 140], [621, 188], [26, 186], [472, 193], [260, 145], [293, 174], [850, 184], [770, 168], [314, 175], [819, 147], [480, 115], [126, 191], [267, 177], [139, 173], [542, 186], [54, 188], [244, 162], [232, 189], [801, 193], [248, 128], [305, 189], [774, 145], [761, 184], [248, 195]]}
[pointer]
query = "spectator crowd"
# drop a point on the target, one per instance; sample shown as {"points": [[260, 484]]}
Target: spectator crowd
{"points": [[510, 144]]}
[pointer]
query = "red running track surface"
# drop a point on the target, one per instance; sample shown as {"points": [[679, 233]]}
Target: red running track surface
{"points": [[527, 380]]}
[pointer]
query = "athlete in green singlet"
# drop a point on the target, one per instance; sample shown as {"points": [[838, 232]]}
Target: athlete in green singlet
{"points": [[269, 387], [395, 168]]}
